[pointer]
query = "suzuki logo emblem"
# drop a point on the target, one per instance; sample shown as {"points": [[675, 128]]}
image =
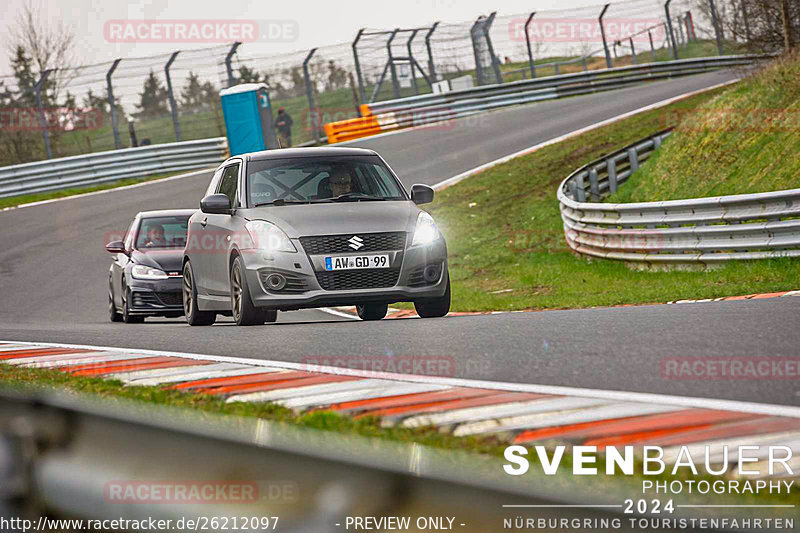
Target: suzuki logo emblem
{"points": [[356, 242]]}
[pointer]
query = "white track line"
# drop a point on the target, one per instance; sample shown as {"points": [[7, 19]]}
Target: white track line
{"points": [[105, 191]]}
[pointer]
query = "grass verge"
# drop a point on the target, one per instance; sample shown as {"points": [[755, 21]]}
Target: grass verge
{"points": [[113, 390], [506, 241], [14, 201]]}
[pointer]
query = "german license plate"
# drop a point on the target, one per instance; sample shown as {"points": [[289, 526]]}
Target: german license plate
{"points": [[355, 262]]}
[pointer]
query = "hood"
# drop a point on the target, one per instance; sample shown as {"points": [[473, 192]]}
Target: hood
{"points": [[168, 260], [337, 218]]}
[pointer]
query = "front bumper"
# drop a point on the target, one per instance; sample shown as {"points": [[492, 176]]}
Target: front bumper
{"points": [[156, 298], [309, 285]]}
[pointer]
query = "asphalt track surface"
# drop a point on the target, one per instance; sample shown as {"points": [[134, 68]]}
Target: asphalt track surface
{"points": [[53, 283]]}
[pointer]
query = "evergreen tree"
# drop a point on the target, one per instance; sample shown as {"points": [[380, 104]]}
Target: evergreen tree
{"points": [[153, 98]]}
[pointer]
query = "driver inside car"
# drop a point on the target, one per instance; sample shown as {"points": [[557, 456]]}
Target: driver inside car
{"points": [[155, 237], [341, 182]]}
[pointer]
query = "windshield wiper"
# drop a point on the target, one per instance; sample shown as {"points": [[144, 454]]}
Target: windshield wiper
{"points": [[355, 196], [281, 201]]}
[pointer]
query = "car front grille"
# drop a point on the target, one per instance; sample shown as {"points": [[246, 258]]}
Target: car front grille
{"points": [[342, 280], [370, 242], [171, 297]]}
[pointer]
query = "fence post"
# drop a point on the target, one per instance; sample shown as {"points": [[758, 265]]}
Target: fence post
{"points": [[112, 104], [633, 51], [603, 35], [40, 104], [495, 64], [228, 66], [312, 110], [431, 67], [671, 33], [652, 48], [528, 43], [412, 62], [681, 40], [716, 24], [472, 33], [392, 67], [173, 106], [362, 95]]}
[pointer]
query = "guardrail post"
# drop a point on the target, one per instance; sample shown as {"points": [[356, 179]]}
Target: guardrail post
{"points": [[652, 48], [633, 51], [495, 64], [528, 44], [393, 69], [313, 112], [361, 93], [603, 35], [580, 187], [40, 104], [112, 104], [716, 24], [633, 157], [594, 185], [671, 34], [173, 106], [611, 163], [228, 66], [431, 67]]}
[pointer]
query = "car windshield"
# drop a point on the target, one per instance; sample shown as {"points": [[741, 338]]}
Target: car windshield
{"points": [[317, 180], [162, 232]]}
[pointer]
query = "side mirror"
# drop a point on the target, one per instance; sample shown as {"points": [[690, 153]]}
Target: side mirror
{"points": [[421, 194], [116, 247], [217, 204]]}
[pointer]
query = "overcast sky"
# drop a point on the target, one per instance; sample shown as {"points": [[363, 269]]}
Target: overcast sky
{"points": [[318, 22]]}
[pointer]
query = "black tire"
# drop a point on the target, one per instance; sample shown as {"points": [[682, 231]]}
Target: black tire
{"points": [[434, 307], [127, 317], [244, 312], [113, 314], [194, 316], [372, 311]]}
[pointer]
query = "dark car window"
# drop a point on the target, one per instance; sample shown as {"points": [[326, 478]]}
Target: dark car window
{"points": [[317, 179], [229, 184], [162, 232]]}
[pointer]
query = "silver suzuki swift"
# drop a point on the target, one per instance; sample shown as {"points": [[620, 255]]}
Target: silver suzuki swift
{"points": [[298, 228]]}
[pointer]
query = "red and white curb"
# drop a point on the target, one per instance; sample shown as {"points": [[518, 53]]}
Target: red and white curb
{"points": [[511, 412]]}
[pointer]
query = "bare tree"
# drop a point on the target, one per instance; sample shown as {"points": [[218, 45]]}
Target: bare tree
{"points": [[765, 25], [51, 45]]}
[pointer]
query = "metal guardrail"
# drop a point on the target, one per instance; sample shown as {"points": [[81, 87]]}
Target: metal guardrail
{"points": [[102, 167], [62, 455], [430, 108], [700, 231]]}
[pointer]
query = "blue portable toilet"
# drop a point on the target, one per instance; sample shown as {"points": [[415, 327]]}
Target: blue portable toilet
{"points": [[248, 118]]}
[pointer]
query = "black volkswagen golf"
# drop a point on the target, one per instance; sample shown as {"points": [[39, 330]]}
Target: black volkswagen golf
{"points": [[145, 277]]}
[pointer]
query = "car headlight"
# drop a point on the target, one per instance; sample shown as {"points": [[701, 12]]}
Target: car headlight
{"points": [[426, 231], [146, 272], [269, 237]]}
